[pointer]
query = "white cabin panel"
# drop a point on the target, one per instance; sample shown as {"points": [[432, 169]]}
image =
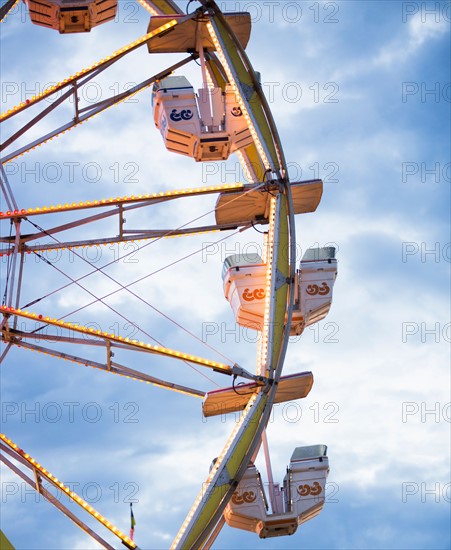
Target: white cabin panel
{"points": [[247, 508], [315, 280], [176, 115], [235, 121], [305, 482], [205, 111], [245, 289]]}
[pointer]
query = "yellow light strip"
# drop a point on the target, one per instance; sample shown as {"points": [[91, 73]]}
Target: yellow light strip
{"points": [[160, 350], [89, 69], [34, 464], [262, 353], [85, 364], [9, 11], [148, 8], [241, 102], [113, 201], [247, 173]]}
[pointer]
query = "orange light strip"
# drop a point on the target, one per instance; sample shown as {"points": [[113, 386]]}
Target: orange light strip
{"points": [[89, 69], [160, 350], [34, 464], [9, 11], [120, 200]]}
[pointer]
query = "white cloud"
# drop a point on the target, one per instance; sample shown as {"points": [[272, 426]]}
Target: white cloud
{"points": [[421, 32]]}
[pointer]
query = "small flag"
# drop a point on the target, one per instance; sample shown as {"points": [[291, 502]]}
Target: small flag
{"points": [[132, 522]]}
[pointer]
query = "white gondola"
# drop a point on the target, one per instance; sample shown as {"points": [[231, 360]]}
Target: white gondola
{"points": [[208, 126], [244, 288], [68, 16], [301, 498]]}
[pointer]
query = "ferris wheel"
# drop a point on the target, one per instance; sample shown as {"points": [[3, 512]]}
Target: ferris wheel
{"points": [[268, 293]]}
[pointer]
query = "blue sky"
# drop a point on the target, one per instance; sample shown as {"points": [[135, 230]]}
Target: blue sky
{"points": [[350, 86]]}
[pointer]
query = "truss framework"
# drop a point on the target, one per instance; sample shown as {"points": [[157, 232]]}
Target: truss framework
{"points": [[230, 64]]}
